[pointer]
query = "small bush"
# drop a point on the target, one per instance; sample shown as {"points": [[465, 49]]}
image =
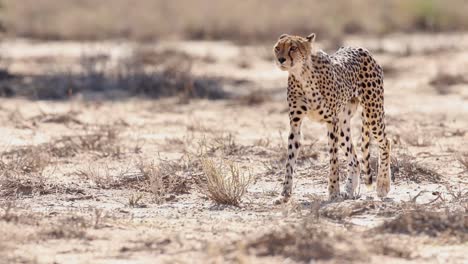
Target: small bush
{"points": [[463, 159], [163, 181], [225, 184], [22, 172], [406, 167], [307, 242], [429, 222]]}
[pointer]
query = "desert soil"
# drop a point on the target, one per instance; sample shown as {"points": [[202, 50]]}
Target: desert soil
{"points": [[85, 198]]}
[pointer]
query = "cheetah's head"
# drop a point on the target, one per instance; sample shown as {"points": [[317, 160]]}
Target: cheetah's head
{"points": [[292, 51]]}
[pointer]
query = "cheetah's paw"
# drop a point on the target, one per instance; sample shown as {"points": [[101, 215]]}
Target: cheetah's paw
{"points": [[281, 200], [383, 187]]}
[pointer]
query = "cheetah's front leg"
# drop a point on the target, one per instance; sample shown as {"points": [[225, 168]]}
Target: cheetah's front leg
{"points": [[294, 144], [333, 179]]}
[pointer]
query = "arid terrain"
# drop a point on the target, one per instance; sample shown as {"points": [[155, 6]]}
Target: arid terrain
{"points": [[108, 150]]}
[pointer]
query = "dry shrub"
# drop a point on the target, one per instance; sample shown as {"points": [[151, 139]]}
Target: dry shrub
{"points": [[49, 226], [106, 177], [222, 143], [71, 227], [22, 172], [165, 181], [135, 200], [313, 240], [347, 208], [406, 167], [395, 249], [307, 242], [225, 184], [25, 159], [102, 141], [429, 222], [13, 183], [463, 159], [100, 175]]}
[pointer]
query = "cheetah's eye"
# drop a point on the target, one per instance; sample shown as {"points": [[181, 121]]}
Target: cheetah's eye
{"points": [[293, 48], [277, 49]]}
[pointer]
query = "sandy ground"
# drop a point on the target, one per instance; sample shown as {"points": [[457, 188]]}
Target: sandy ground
{"points": [[92, 204]]}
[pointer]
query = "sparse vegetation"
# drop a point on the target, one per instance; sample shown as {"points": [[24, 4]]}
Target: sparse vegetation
{"points": [[102, 141], [166, 180], [225, 183], [313, 240], [127, 166], [305, 243], [463, 159], [429, 222], [407, 167], [103, 176], [22, 173]]}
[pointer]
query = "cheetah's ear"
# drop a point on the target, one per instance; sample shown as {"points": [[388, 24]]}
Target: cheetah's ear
{"points": [[283, 36], [311, 38]]}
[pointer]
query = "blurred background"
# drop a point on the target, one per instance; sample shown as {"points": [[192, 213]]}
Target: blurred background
{"points": [[114, 114], [198, 48], [242, 21]]}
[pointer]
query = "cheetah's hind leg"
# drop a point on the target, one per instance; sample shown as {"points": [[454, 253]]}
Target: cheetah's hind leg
{"points": [[347, 146]]}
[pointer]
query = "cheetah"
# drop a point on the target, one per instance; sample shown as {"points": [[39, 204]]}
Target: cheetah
{"points": [[329, 89]]}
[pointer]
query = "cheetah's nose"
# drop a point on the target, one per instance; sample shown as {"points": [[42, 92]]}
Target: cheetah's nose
{"points": [[281, 60]]}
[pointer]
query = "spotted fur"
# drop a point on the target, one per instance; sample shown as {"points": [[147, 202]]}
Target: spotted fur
{"points": [[328, 89]]}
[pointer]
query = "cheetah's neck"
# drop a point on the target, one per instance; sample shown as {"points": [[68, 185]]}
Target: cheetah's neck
{"points": [[306, 76]]}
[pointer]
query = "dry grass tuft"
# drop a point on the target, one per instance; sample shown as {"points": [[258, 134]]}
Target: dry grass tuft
{"points": [[429, 222], [164, 181], [223, 143], [102, 176], [135, 200], [101, 141], [13, 183], [22, 172], [225, 184], [342, 210], [463, 159], [406, 167], [71, 227]]}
